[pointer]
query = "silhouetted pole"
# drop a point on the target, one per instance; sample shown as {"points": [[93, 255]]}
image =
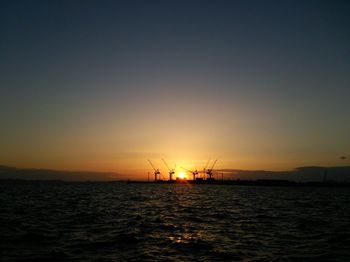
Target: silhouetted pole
{"points": [[325, 176]]}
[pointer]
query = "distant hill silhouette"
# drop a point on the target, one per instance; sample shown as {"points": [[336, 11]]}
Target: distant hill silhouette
{"points": [[299, 174], [7, 172]]}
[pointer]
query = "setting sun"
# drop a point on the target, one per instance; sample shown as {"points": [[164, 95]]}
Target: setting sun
{"points": [[182, 175]]}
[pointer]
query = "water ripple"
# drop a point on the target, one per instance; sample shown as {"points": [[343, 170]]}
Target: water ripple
{"points": [[133, 222]]}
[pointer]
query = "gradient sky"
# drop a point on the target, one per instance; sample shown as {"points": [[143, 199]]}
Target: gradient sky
{"points": [[105, 85]]}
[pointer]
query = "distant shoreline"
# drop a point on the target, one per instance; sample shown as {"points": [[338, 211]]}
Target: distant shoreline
{"points": [[259, 182]]}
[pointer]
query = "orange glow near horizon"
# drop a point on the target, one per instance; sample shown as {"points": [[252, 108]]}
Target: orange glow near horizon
{"points": [[146, 85]]}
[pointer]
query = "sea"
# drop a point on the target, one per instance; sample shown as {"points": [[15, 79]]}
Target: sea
{"points": [[115, 221]]}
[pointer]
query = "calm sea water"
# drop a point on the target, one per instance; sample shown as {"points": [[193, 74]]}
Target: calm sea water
{"points": [[148, 222]]}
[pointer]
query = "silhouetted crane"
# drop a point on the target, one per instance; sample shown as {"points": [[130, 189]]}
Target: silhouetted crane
{"points": [[210, 171], [194, 173], [156, 171], [205, 169], [171, 171]]}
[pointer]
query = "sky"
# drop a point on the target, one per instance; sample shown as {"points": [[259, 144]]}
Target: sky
{"points": [[106, 85]]}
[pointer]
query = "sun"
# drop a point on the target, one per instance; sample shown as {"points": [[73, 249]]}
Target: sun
{"points": [[182, 175]]}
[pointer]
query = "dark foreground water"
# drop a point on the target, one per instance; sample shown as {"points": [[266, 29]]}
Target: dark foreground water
{"points": [[141, 222]]}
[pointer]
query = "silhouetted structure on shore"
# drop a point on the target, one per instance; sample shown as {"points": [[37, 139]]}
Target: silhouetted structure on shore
{"points": [[258, 182]]}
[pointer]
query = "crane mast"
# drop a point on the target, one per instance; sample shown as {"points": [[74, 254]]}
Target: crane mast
{"points": [[194, 173], [210, 171], [171, 171], [156, 171]]}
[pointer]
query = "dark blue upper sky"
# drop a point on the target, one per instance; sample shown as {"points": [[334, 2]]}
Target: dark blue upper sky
{"points": [[280, 68]]}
